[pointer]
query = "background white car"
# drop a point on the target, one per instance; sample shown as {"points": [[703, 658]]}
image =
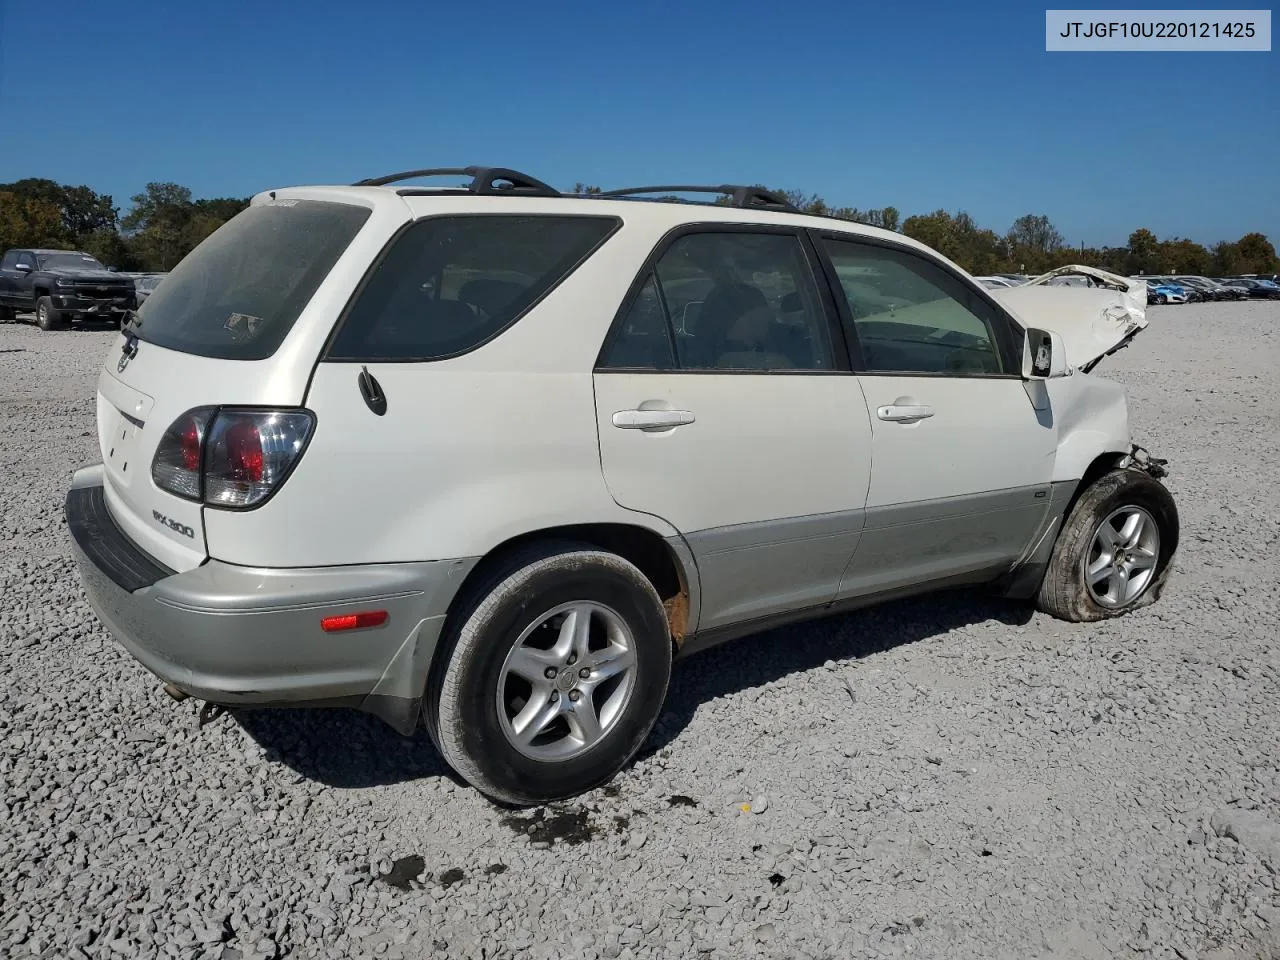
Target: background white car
{"points": [[493, 455]]}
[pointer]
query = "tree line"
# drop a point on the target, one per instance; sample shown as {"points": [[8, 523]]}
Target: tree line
{"points": [[1033, 245], [164, 224]]}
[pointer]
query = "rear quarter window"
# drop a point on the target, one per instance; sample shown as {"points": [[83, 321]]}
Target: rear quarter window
{"points": [[448, 284], [239, 293]]}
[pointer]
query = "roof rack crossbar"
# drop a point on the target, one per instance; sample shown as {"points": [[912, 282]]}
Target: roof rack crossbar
{"points": [[484, 180], [739, 196]]}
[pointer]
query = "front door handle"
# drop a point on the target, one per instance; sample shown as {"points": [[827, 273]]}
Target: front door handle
{"points": [[904, 413], [651, 419]]}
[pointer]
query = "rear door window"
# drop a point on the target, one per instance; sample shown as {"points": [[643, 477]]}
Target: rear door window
{"points": [[733, 301], [237, 295], [450, 283]]}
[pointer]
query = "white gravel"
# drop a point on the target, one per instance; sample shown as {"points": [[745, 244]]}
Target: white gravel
{"points": [[947, 778]]}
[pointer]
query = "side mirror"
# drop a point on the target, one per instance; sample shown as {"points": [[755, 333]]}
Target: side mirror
{"points": [[22, 267], [111, 269], [1044, 357]]}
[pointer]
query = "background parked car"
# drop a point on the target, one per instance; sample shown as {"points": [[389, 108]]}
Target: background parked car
{"points": [[1160, 292], [1257, 289], [1192, 294], [145, 285], [1228, 292], [1211, 290], [61, 286]]}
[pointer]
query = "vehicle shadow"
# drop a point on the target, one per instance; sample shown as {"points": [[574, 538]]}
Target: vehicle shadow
{"points": [[347, 749]]}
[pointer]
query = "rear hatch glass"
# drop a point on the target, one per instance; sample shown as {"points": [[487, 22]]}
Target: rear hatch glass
{"points": [[236, 296]]}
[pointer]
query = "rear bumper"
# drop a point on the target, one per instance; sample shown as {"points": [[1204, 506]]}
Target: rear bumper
{"points": [[250, 636]]}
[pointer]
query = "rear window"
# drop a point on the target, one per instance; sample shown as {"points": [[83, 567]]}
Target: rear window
{"points": [[238, 294], [451, 283]]}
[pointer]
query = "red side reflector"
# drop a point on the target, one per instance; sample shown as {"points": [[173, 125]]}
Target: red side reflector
{"points": [[354, 621]]}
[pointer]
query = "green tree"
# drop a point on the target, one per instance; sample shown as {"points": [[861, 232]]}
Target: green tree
{"points": [[1227, 260], [221, 208], [1144, 252], [110, 248], [1185, 256], [30, 222], [158, 226], [81, 210], [1257, 254], [1034, 243]]}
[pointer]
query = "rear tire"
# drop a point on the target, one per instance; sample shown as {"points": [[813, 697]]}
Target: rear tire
{"points": [[551, 675], [1114, 551], [47, 316]]}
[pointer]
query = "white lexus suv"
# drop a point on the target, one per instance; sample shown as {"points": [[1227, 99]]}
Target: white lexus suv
{"points": [[492, 456]]}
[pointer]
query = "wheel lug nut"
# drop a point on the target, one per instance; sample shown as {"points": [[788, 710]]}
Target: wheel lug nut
{"points": [[550, 673], [554, 696], [573, 658], [584, 673], [575, 696]]}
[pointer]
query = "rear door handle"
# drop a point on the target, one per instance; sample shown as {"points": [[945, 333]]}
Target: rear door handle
{"points": [[651, 419], [904, 413]]}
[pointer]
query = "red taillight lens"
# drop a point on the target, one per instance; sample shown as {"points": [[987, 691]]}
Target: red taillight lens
{"points": [[228, 457], [191, 439], [244, 452]]}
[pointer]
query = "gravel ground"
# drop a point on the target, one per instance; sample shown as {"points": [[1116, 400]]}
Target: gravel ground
{"points": [[943, 778]]}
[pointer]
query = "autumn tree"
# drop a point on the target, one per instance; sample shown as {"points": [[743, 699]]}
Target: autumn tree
{"points": [[29, 222], [80, 210], [1033, 242]]}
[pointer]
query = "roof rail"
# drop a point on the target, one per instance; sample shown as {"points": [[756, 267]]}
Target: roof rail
{"points": [[484, 180], [739, 196]]}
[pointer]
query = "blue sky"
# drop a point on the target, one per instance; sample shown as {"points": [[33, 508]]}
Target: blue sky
{"points": [[955, 106]]}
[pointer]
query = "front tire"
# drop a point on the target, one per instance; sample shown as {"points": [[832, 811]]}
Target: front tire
{"points": [[47, 316], [552, 675], [1114, 551]]}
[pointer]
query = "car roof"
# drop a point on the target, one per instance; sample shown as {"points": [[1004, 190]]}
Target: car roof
{"points": [[652, 211]]}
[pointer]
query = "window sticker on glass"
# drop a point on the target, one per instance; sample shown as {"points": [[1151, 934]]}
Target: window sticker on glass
{"points": [[242, 322]]}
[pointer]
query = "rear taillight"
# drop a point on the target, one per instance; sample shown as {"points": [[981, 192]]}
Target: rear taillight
{"points": [[228, 457], [176, 466]]}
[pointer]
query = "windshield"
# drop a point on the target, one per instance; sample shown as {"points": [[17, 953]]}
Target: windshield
{"points": [[67, 261], [237, 295]]}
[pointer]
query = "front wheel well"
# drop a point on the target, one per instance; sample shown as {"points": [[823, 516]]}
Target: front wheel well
{"points": [[1102, 464]]}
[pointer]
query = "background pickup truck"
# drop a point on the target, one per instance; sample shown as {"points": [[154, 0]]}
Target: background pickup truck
{"points": [[62, 285]]}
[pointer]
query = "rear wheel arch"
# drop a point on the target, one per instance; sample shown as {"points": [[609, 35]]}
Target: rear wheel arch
{"points": [[673, 576]]}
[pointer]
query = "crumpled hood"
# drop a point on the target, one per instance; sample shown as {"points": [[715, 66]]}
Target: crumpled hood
{"points": [[1093, 321]]}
